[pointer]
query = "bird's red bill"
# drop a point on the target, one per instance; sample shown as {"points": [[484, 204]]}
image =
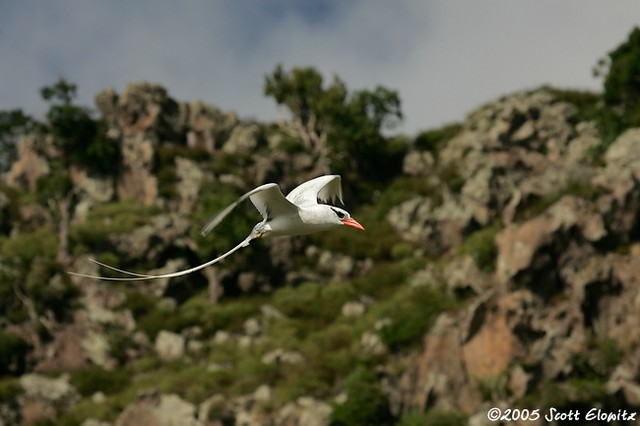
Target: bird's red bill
{"points": [[352, 223]]}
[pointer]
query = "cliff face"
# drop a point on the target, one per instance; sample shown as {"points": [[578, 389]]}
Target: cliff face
{"points": [[558, 308], [501, 268]]}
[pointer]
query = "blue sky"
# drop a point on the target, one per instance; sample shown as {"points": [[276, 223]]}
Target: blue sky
{"points": [[444, 57]]}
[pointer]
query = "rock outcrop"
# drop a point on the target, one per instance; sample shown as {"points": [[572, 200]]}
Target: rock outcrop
{"points": [[530, 238], [558, 294]]}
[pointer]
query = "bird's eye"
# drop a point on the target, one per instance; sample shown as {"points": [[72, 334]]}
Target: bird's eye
{"points": [[341, 215]]}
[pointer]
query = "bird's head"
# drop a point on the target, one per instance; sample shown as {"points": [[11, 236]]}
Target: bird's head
{"points": [[343, 217]]}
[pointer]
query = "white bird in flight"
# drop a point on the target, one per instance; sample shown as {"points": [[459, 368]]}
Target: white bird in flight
{"points": [[298, 213]]}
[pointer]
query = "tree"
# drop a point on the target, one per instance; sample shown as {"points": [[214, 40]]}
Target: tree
{"points": [[344, 131], [622, 82], [312, 106], [70, 138]]}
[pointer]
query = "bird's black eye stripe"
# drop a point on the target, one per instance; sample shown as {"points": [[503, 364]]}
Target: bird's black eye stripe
{"points": [[340, 214]]}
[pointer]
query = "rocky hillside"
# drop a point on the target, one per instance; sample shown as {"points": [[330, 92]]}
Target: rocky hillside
{"points": [[500, 268]]}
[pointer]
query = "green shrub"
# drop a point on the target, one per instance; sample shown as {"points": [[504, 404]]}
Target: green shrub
{"points": [[622, 82], [234, 228], [481, 245], [597, 361], [229, 315], [312, 302], [51, 289], [10, 212], [451, 176], [384, 279], [159, 319], [197, 311], [10, 389], [435, 417], [13, 353], [412, 311], [11, 308], [434, 140], [109, 219], [366, 403], [26, 246], [94, 379], [119, 341]]}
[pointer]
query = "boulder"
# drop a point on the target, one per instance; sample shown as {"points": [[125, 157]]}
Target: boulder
{"points": [[190, 180], [29, 167], [170, 346], [243, 140], [208, 127], [528, 253], [159, 410], [439, 376], [45, 397], [305, 411]]}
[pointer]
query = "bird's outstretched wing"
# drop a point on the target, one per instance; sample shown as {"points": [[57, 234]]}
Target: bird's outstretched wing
{"points": [[135, 276], [268, 199], [326, 188]]}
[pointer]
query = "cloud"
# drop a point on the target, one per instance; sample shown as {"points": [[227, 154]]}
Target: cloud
{"points": [[445, 58]]}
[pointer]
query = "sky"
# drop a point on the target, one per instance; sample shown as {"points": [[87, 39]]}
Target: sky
{"points": [[444, 57]]}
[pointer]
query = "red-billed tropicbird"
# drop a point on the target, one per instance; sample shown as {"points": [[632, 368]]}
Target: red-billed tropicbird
{"points": [[298, 213]]}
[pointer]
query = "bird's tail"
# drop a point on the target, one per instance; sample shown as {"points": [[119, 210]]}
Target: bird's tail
{"points": [[135, 276]]}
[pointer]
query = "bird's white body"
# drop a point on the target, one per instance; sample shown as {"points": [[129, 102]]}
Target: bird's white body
{"points": [[305, 221], [299, 213]]}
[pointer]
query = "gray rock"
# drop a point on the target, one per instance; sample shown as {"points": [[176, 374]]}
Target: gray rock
{"points": [[243, 140], [159, 410], [305, 411], [625, 150], [50, 389], [353, 309], [169, 346], [372, 344], [208, 127], [191, 178], [252, 327], [418, 163], [29, 167]]}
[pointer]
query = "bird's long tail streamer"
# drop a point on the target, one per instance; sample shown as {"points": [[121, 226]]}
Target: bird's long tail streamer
{"points": [[135, 276]]}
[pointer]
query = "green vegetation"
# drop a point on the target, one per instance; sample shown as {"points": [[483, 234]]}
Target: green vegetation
{"points": [[622, 82], [434, 140], [412, 311], [344, 130], [597, 361], [107, 220], [585, 384], [318, 351], [481, 245], [10, 389], [81, 139], [536, 205], [57, 295], [196, 311], [13, 353], [434, 417], [366, 404], [91, 380], [165, 168], [24, 247], [234, 229]]}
